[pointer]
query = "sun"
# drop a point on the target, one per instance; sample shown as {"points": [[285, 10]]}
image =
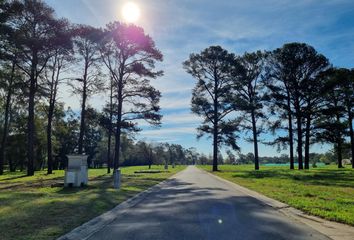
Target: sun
{"points": [[131, 12]]}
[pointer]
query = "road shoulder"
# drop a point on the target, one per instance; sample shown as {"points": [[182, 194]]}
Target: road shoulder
{"points": [[86, 230]]}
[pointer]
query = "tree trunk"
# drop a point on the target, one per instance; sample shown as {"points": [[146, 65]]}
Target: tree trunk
{"points": [[119, 123], [339, 153], [255, 141], [52, 101], [117, 145], [49, 139], [109, 149], [6, 120], [215, 117], [291, 135], [291, 142], [351, 132], [83, 109], [299, 141], [215, 148], [11, 165], [307, 142], [339, 144], [30, 120], [30, 134], [82, 121], [110, 129]]}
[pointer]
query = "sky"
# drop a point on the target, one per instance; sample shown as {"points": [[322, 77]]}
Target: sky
{"points": [[182, 27]]}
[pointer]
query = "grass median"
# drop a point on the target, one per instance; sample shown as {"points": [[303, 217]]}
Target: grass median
{"points": [[327, 192], [31, 208]]}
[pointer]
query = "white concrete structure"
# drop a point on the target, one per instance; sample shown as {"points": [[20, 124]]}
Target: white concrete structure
{"points": [[76, 174], [116, 179]]}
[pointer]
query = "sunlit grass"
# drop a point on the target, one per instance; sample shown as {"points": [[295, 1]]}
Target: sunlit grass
{"points": [[327, 191], [30, 208]]}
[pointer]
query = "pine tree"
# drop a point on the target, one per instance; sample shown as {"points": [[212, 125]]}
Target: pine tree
{"points": [[212, 97]]}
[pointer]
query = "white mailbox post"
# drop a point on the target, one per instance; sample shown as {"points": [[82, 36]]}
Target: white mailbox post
{"points": [[76, 173]]}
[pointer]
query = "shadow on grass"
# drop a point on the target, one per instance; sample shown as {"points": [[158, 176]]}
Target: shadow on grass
{"points": [[69, 207], [13, 177]]}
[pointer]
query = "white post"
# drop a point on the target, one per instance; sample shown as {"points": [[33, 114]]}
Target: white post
{"points": [[116, 179]]}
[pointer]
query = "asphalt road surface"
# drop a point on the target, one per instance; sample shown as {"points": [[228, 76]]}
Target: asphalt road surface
{"points": [[195, 205]]}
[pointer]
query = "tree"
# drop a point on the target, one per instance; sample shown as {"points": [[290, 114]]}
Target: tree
{"points": [[297, 67], [8, 73], [279, 103], [66, 132], [58, 63], [315, 66], [93, 135], [107, 123], [130, 55], [331, 125], [212, 98], [85, 39], [148, 152], [192, 154], [35, 33], [344, 78], [10, 80], [249, 95]]}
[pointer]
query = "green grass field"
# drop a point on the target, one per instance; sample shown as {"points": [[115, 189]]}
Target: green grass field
{"points": [[327, 192], [31, 209]]}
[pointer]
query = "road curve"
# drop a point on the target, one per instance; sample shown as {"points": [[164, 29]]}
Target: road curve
{"points": [[195, 205]]}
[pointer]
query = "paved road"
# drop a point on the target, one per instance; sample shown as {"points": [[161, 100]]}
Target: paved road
{"points": [[195, 205]]}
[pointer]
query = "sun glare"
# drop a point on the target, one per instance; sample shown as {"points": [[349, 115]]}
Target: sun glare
{"points": [[131, 12]]}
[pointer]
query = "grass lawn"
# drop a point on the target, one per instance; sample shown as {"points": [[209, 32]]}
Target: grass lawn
{"points": [[326, 191], [31, 209]]}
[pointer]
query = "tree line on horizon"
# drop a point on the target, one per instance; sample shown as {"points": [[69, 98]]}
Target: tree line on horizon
{"points": [[292, 92]]}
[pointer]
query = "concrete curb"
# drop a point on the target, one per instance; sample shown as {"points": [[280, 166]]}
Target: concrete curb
{"points": [[334, 230], [86, 230]]}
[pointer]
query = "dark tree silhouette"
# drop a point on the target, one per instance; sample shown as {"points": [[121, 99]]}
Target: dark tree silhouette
{"points": [[338, 108], [249, 95], [212, 98], [58, 63], [9, 82], [110, 126], [330, 125], [347, 85], [35, 33], [107, 118], [130, 57], [297, 66], [90, 82], [279, 104]]}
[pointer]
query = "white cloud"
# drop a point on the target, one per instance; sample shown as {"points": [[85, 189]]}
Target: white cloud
{"points": [[182, 118], [175, 102], [169, 131]]}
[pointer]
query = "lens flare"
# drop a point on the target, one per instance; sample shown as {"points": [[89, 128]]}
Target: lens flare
{"points": [[131, 12]]}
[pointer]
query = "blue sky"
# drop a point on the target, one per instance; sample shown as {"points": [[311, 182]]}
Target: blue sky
{"points": [[180, 27]]}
